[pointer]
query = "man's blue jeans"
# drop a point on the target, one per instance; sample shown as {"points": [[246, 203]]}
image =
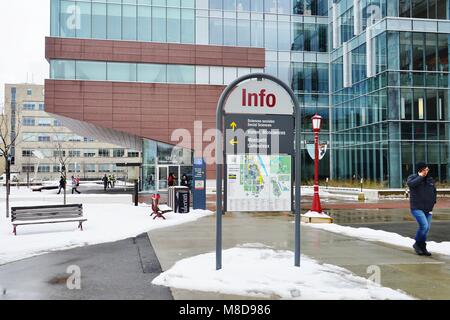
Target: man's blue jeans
{"points": [[424, 221]]}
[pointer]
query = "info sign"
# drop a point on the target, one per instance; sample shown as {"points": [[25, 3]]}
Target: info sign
{"points": [[258, 116]]}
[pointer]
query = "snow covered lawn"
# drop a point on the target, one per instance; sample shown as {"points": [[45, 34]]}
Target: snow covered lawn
{"points": [[107, 222], [258, 271], [368, 234]]}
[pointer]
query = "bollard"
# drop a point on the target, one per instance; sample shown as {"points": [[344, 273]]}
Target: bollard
{"points": [[136, 193]]}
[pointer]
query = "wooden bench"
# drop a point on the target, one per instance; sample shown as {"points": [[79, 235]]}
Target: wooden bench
{"points": [[21, 216]]}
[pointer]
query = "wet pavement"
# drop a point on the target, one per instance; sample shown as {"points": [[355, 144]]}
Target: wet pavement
{"points": [[401, 268], [121, 270], [394, 220]]}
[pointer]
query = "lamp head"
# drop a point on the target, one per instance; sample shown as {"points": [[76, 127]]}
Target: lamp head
{"points": [[317, 122]]}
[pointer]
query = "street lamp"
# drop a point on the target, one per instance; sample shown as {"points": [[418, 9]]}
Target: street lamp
{"points": [[317, 124], [316, 215]]}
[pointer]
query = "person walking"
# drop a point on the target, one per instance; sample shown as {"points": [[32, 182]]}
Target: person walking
{"points": [[423, 196], [113, 181], [109, 181], [184, 181], [105, 181], [74, 185], [62, 184]]}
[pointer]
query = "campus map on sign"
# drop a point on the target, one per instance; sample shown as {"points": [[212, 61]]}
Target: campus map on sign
{"points": [[259, 182]]}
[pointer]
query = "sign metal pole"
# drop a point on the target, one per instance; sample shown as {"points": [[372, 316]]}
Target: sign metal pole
{"points": [[220, 161]]}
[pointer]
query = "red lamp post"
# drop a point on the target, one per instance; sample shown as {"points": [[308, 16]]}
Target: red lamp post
{"points": [[317, 123]]}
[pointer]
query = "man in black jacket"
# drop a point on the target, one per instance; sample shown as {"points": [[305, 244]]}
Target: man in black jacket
{"points": [[422, 200]]}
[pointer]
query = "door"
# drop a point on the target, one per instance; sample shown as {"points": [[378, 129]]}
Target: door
{"points": [[175, 170], [163, 174]]}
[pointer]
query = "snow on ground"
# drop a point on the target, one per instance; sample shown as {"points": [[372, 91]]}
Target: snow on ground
{"points": [[309, 191], [258, 271], [107, 222], [368, 234]]}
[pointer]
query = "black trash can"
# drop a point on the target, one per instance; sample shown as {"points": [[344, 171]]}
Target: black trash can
{"points": [[183, 201]]}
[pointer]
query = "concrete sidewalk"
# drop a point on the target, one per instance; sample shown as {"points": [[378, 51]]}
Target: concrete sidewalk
{"points": [[421, 277]]}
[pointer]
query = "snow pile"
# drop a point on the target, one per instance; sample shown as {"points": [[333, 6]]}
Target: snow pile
{"points": [[261, 272], [107, 222], [368, 234]]}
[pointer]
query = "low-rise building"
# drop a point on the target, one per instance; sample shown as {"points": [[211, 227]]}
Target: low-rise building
{"points": [[43, 146]]}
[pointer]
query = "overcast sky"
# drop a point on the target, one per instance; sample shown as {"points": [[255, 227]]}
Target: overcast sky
{"points": [[23, 27]]}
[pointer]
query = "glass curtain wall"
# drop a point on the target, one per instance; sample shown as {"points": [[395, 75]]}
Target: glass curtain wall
{"points": [[384, 125]]}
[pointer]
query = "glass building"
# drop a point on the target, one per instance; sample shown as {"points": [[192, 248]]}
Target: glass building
{"points": [[390, 89], [376, 70]]}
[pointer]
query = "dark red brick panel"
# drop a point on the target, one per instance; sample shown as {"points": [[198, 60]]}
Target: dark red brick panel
{"points": [[150, 52]]}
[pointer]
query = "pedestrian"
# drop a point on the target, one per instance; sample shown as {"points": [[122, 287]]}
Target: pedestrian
{"points": [[62, 184], [109, 181], [113, 181], [422, 196], [74, 185], [78, 181], [171, 180], [105, 181], [150, 181], [184, 181]]}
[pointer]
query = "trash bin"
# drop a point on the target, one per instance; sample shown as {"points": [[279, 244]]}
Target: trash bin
{"points": [[183, 201], [173, 197]]}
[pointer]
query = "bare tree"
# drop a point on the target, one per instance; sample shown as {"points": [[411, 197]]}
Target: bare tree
{"points": [[62, 156], [9, 139]]}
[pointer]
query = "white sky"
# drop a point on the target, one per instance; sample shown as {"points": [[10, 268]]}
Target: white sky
{"points": [[24, 24]]}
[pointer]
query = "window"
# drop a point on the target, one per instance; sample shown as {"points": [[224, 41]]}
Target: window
{"points": [[62, 69], [121, 71], [187, 26], [104, 168], [144, 31], [173, 25], [129, 22], [117, 168], [229, 32], [45, 122], [90, 168], [44, 168], [103, 153], [30, 137], [114, 22], [180, 74], [75, 138], [152, 73], [159, 24], [28, 106], [27, 153], [59, 153], [98, 20], [57, 123], [56, 168], [133, 154], [84, 28], [29, 92], [215, 31], [28, 122], [88, 139], [118, 153], [243, 33], [28, 168], [88, 70], [89, 153], [74, 168], [41, 107], [74, 153]]}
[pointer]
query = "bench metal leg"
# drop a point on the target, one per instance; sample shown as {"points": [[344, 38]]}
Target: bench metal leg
{"points": [[80, 226], [15, 231]]}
